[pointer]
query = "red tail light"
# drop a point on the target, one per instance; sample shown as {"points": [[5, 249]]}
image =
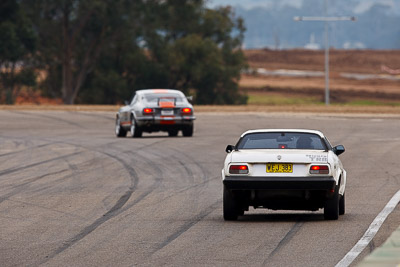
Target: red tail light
{"points": [[238, 169], [319, 169], [148, 111], [186, 111]]}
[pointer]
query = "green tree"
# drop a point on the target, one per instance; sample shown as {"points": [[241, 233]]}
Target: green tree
{"points": [[73, 34], [101, 51], [17, 43], [199, 48]]}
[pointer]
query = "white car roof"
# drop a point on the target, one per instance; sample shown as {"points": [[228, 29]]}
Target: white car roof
{"points": [[283, 130], [159, 91]]}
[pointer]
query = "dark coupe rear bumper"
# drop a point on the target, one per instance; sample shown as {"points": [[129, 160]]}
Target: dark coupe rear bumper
{"points": [[164, 120]]}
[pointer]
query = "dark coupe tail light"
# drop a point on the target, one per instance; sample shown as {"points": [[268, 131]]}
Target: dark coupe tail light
{"points": [[238, 169], [319, 169], [148, 111], [186, 111]]}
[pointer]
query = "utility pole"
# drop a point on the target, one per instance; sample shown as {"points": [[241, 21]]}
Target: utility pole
{"points": [[326, 19]]}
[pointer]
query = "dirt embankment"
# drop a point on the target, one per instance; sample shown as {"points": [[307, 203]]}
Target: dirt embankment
{"points": [[342, 89], [373, 80], [336, 110]]}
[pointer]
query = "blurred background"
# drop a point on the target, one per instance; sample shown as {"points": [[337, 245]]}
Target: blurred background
{"points": [[248, 52], [269, 24]]}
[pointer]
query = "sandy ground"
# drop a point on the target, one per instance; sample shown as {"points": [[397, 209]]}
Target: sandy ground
{"points": [[368, 62], [336, 83], [358, 61]]}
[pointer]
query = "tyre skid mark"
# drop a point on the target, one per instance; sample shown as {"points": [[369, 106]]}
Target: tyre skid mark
{"points": [[201, 167], [204, 175], [117, 208], [289, 235], [19, 188], [114, 211], [23, 150], [198, 185], [50, 209], [11, 170], [188, 171], [155, 185], [186, 226]]}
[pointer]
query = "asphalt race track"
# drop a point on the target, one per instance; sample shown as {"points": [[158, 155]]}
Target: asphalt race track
{"points": [[72, 194]]}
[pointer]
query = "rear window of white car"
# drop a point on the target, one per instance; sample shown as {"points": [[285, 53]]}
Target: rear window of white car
{"points": [[281, 140]]}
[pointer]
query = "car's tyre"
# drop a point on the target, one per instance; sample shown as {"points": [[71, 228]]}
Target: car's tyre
{"points": [[119, 131], [135, 129], [188, 131], [241, 212], [173, 132], [331, 208], [230, 206], [342, 208]]}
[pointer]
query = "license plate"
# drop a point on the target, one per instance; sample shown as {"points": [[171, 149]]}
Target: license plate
{"points": [[167, 112], [169, 122], [279, 167]]}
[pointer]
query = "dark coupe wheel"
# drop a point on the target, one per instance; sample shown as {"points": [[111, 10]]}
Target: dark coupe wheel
{"points": [[173, 132], [188, 130], [230, 206], [342, 208], [119, 131], [331, 208], [135, 129]]}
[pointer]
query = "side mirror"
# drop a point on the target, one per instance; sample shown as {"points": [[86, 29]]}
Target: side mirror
{"points": [[339, 149], [190, 98], [229, 148], [126, 102]]}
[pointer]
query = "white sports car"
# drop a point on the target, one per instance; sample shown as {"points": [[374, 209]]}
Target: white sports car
{"points": [[283, 169]]}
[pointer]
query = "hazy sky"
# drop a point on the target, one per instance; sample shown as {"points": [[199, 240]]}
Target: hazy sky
{"points": [[366, 4], [249, 4]]}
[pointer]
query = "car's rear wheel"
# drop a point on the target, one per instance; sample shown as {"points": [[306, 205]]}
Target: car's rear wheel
{"points": [[188, 131], [331, 208], [173, 132], [241, 212], [119, 131], [230, 206], [135, 129], [342, 209]]}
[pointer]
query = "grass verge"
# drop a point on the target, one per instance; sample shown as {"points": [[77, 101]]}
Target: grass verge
{"points": [[275, 100]]}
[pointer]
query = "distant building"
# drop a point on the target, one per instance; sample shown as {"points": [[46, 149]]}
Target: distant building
{"points": [[354, 45], [312, 45]]}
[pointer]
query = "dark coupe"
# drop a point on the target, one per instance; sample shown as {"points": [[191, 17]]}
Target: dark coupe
{"points": [[153, 110]]}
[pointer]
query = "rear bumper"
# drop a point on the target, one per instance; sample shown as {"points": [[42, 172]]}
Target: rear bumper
{"points": [[165, 120], [279, 183], [157, 123]]}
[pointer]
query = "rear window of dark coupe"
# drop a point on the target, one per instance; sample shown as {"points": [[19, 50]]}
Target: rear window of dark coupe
{"points": [[155, 97], [281, 140]]}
